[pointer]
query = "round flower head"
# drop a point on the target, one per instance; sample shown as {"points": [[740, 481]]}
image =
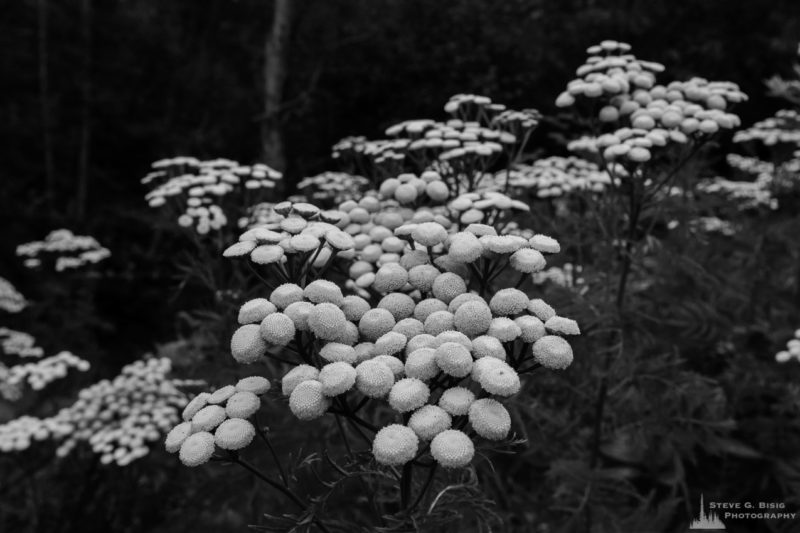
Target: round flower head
{"points": [[447, 286], [255, 384], [552, 352], [504, 329], [197, 449], [540, 309], [336, 351], [298, 312], [421, 277], [421, 364], [197, 403], [266, 254], [339, 240], [222, 394], [409, 327], [473, 318], [429, 420], [286, 294], [321, 291], [452, 448], [247, 345], [500, 379], [454, 359], [564, 326], [304, 242], [781, 357], [296, 376], [532, 328], [545, 244], [239, 249], [277, 329], [354, 307], [427, 307], [390, 277], [177, 435], [400, 305], [429, 234], [208, 418], [364, 351], [461, 299], [390, 343], [483, 364], [242, 405], [420, 341], [374, 378], [439, 322], [234, 434], [457, 400], [486, 346], [395, 445], [408, 394], [326, 321], [254, 311], [527, 260], [376, 322], [507, 302], [452, 336], [337, 378], [489, 419], [465, 247], [412, 259], [394, 364], [502, 244], [307, 400]]}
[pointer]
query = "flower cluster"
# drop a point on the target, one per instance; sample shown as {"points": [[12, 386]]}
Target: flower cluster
{"points": [[217, 420], [196, 190], [63, 250], [11, 301], [783, 128], [646, 116], [555, 176], [792, 350], [44, 371], [118, 418], [418, 339], [567, 275], [19, 343], [333, 187]]}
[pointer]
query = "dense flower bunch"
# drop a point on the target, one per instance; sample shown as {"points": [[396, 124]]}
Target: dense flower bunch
{"points": [[644, 116], [792, 350], [217, 420], [46, 370], [567, 275], [461, 149], [63, 250], [555, 176], [19, 343], [333, 187], [118, 418], [783, 128], [11, 301], [204, 194], [416, 335]]}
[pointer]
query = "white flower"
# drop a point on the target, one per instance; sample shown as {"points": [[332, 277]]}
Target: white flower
{"points": [[247, 345], [429, 234], [375, 323], [266, 254], [255, 384], [390, 277], [456, 400], [427, 307], [208, 417], [540, 309], [400, 305], [486, 346], [552, 352], [447, 286], [354, 307], [465, 247], [197, 403], [546, 244], [336, 351], [452, 449], [327, 321], [504, 329], [197, 449], [500, 379], [421, 277], [222, 394], [321, 291], [408, 394], [438, 322], [177, 435], [234, 434], [296, 376], [507, 302], [337, 378], [277, 329], [421, 364], [395, 445], [286, 294], [374, 378], [473, 317], [564, 326], [298, 312], [532, 328], [254, 311], [489, 419], [454, 359], [428, 421], [307, 400], [243, 404]]}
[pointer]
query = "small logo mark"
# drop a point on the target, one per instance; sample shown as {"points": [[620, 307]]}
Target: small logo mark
{"points": [[706, 522]]}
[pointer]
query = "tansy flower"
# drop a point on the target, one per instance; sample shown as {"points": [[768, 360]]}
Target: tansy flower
{"points": [[452, 449]]}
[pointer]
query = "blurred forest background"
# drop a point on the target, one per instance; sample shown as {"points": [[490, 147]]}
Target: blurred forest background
{"points": [[95, 90]]}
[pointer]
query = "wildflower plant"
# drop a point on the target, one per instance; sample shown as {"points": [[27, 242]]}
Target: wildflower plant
{"points": [[62, 250]]}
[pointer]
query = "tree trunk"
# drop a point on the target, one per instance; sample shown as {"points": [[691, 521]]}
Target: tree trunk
{"points": [[86, 100], [274, 78], [44, 102]]}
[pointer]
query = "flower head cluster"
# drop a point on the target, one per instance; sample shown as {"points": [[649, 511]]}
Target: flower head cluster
{"points": [[333, 187], [19, 343], [197, 190], [118, 418], [217, 420], [647, 116], [792, 350], [783, 128], [556, 176], [63, 250], [11, 301], [568, 275], [39, 373]]}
